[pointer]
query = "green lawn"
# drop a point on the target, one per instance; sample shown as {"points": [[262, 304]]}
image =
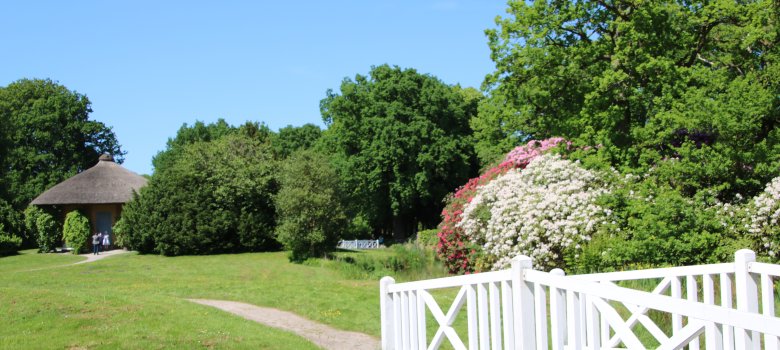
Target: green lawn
{"points": [[137, 301]]}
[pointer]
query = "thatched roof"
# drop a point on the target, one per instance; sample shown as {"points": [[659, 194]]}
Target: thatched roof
{"points": [[106, 182]]}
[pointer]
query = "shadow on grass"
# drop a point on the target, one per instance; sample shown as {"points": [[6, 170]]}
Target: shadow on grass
{"points": [[7, 254]]}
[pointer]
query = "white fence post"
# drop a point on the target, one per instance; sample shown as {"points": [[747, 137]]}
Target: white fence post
{"points": [[558, 314], [386, 305], [747, 297], [523, 295]]}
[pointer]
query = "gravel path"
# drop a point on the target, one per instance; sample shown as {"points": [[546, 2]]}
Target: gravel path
{"points": [[91, 257], [323, 336]]}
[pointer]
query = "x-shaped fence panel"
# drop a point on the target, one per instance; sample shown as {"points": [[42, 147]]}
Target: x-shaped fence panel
{"points": [[522, 308]]}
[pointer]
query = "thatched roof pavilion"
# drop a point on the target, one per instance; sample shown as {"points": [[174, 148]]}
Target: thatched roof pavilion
{"points": [[99, 192], [106, 182]]}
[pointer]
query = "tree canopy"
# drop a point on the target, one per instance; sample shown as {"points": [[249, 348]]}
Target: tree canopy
{"points": [[46, 136], [402, 142], [202, 132], [293, 138], [693, 81]]}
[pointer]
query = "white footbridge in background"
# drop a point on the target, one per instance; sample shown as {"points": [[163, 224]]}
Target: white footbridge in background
{"points": [[718, 306], [359, 244]]}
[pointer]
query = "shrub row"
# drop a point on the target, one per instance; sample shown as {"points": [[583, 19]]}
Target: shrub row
{"points": [[231, 195]]}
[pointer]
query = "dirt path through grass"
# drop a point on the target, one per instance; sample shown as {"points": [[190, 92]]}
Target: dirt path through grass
{"points": [[319, 334]]}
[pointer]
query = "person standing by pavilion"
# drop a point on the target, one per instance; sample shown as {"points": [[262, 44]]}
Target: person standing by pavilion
{"points": [[106, 241], [95, 244], [100, 242]]}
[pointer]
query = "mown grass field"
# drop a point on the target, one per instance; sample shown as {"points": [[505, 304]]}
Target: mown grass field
{"points": [[135, 301]]}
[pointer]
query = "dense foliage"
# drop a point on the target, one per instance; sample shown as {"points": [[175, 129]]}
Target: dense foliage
{"points": [[201, 132], [11, 225], [46, 136], [11, 229], [31, 214], [291, 138], [402, 142], [120, 233], [49, 234], [9, 244], [655, 225], [309, 206], [428, 239], [213, 197], [691, 81], [76, 231]]}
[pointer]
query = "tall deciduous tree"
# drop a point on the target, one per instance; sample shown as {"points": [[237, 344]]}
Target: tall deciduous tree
{"points": [[46, 136], [647, 81], [293, 138], [309, 206], [202, 132], [402, 142], [189, 134]]}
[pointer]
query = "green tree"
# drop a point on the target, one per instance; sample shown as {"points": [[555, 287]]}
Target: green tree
{"points": [[76, 231], [201, 132], [8, 244], [49, 234], [12, 220], [694, 82], [11, 229], [46, 136], [120, 233], [197, 132], [31, 214], [140, 220], [292, 138], [308, 206], [214, 197], [401, 142]]}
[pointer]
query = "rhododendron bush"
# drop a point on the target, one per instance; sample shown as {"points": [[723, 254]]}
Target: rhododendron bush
{"points": [[562, 214], [543, 211], [458, 252]]}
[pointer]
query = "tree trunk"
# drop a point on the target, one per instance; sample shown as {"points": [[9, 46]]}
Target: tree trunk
{"points": [[401, 226]]}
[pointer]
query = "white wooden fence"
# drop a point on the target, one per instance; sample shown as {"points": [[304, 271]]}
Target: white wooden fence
{"points": [[358, 244], [727, 306]]}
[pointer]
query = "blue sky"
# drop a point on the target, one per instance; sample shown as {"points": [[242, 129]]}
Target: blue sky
{"points": [[150, 66]]}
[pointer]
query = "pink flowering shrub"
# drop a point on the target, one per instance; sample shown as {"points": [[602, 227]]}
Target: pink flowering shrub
{"points": [[522, 155], [460, 254]]}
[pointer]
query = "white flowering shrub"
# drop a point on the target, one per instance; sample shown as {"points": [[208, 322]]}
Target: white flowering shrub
{"points": [[543, 211], [764, 217]]}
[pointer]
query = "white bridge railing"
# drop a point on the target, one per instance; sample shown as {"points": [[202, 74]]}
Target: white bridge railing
{"points": [[719, 306], [359, 244]]}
